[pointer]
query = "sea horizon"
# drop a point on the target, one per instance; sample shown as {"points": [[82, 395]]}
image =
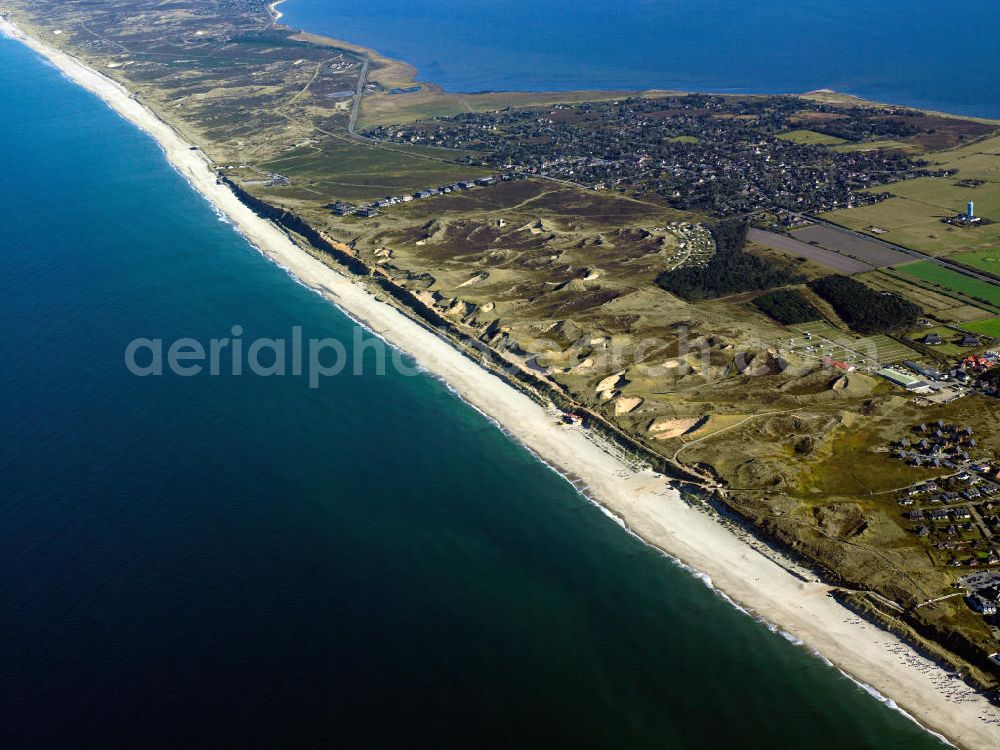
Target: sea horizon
{"points": [[882, 53]]}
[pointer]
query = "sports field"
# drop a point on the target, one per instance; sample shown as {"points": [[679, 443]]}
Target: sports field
{"points": [[953, 280]]}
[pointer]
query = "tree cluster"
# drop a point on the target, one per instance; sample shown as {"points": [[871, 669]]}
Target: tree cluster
{"points": [[729, 271], [863, 309], [787, 306]]}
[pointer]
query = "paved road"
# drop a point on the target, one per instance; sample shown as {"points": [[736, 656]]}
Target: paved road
{"points": [[987, 534], [359, 93]]}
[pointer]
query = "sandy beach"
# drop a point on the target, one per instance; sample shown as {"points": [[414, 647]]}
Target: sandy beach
{"points": [[643, 501]]}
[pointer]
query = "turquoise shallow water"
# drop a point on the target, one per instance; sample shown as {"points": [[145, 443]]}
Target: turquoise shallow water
{"points": [[916, 52], [243, 561]]}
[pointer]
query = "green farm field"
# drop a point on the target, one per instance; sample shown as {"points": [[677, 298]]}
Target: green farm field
{"points": [[950, 308], [984, 260], [943, 277], [989, 327], [913, 216]]}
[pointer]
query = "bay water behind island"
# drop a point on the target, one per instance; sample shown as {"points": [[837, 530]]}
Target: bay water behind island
{"points": [[246, 561], [913, 52]]}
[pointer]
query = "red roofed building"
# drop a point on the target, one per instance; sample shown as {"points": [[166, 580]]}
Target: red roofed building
{"points": [[839, 365]]}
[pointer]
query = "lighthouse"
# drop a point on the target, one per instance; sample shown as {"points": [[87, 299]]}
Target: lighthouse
{"points": [[970, 210]]}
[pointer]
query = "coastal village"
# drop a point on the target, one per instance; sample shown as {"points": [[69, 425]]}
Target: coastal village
{"points": [[957, 513], [725, 155]]}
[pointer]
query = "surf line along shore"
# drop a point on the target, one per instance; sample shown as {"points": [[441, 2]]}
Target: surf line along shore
{"points": [[273, 8], [645, 502]]}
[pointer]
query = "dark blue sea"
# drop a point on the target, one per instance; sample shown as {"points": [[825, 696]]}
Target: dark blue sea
{"points": [[242, 561], [921, 53]]}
